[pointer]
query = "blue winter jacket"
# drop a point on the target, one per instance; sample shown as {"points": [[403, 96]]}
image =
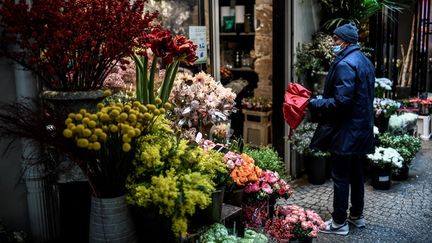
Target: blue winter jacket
{"points": [[345, 113]]}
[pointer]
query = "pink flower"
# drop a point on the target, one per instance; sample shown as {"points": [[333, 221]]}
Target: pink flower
{"points": [[267, 188], [313, 234], [270, 176], [252, 188], [304, 224]]}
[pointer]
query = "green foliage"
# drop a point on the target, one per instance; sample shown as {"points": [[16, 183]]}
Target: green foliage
{"points": [[267, 159], [406, 145], [315, 56], [217, 233], [338, 12], [301, 140], [173, 176]]}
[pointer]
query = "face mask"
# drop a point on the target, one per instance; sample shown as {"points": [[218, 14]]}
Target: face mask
{"points": [[337, 49]]}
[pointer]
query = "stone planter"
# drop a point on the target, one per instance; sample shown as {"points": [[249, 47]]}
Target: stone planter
{"points": [[111, 221]]}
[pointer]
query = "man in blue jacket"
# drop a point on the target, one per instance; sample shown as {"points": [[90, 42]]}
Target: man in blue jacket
{"points": [[345, 126]]}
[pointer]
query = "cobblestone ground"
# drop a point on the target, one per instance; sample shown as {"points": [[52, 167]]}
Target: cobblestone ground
{"points": [[401, 214]]}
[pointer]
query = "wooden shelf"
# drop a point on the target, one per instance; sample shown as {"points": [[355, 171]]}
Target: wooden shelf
{"points": [[242, 69], [237, 34]]}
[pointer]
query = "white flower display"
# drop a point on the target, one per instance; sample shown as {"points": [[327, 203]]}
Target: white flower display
{"points": [[200, 100], [386, 157], [375, 130], [381, 86], [383, 83], [385, 106]]}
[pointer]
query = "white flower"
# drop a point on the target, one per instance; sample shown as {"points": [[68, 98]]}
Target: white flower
{"points": [[383, 156]]}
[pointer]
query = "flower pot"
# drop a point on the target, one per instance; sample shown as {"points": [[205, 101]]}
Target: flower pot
{"points": [[271, 202], [234, 197], [152, 226], [111, 221], [401, 174], [213, 213], [316, 169], [308, 240], [381, 178], [72, 101], [382, 123]]}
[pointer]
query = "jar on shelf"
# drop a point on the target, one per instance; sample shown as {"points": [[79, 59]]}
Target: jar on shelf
{"points": [[248, 23], [238, 59]]}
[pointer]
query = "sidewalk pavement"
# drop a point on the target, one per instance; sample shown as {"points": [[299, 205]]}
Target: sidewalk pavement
{"points": [[401, 214]]}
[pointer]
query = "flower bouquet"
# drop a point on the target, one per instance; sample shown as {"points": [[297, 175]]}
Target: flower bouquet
{"points": [[269, 185], [294, 223], [200, 101], [72, 45], [385, 107], [106, 140]]}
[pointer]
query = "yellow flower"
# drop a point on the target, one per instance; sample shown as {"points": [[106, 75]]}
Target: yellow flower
{"points": [[126, 147], [82, 142], [107, 92], [67, 133]]}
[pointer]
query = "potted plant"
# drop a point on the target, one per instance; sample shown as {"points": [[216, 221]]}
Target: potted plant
{"points": [[382, 162], [383, 109], [336, 13], [317, 164], [267, 158], [171, 179], [407, 146], [295, 224], [103, 144], [313, 61]]}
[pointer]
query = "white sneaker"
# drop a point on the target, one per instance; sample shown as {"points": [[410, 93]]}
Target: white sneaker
{"points": [[358, 222], [334, 228]]}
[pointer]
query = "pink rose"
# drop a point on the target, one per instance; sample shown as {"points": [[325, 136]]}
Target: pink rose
{"points": [[304, 225], [252, 187], [267, 188], [313, 234]]}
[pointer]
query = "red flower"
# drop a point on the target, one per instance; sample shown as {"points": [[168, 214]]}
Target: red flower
{"points": [[72, 45], [161, 43], [185, 49]]}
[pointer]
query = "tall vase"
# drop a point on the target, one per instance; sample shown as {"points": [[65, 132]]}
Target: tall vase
{"points": [[111, 221], [381, 178], [401, 174], [316, 169], [382, 123]]}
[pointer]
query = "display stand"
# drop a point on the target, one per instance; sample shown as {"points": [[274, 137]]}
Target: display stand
{"points": [[424, 127], [257, 127]]}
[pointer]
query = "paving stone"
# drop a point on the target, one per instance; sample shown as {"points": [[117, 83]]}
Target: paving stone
{"points": [[401, 214]]}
